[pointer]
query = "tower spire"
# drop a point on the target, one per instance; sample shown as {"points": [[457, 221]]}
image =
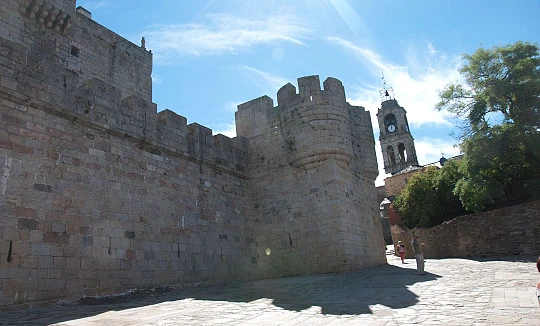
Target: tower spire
{"points": [[386, 93]]}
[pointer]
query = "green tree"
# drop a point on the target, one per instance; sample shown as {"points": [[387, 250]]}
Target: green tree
{"points": [[428, 200], [415, 201], [499, 103], [503, 80], [495, 160]]}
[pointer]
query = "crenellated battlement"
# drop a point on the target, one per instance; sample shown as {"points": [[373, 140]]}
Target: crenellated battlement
{"points": [[333, 89], [314, 125], [309, 87], [286, 95], [310, 91]]}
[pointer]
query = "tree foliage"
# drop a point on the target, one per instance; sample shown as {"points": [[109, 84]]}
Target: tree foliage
{"points": [[496, 159], [503, 80], [499, 102], [428, 200]]}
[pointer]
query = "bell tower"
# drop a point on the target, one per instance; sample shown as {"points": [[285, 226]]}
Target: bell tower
{"points": [[397, 143]]}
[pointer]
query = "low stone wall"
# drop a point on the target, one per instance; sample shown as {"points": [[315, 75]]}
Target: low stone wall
{"points": [[513, 230]]}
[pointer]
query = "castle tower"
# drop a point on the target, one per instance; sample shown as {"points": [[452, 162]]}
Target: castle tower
{"points": [[312, 168], [397, 143]]}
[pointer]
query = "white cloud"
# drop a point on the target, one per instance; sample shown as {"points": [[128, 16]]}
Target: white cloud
{"points": [[348, 15], [429, 150], [268, 82], [227, 129], [417, 85], [222, 34], [373, 59], [231, 107]]}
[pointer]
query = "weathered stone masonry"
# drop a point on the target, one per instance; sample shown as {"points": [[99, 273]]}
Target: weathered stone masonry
{"points": [[313, 167], [99, 193]]}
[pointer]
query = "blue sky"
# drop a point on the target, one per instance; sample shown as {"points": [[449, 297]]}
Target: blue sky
{"points": [[210, 56]]}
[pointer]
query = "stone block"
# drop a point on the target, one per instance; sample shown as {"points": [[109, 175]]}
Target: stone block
{"points": [[57, 250], [51, 284], [70, 251], [114, 264], [87, 241], [40, 249], [24, 234], [73, 263], [36, 235], [10, 234], [59, 262], [58, 227], [30, 262], [50, 237], [54, 273], [25, 212], [43, 187], [45, 262], [25, 223], [119, 243], [86, 229]]}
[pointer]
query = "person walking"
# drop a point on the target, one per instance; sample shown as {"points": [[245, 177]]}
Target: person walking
{"points": [[401, 250], [538, 284], [418, 254]]}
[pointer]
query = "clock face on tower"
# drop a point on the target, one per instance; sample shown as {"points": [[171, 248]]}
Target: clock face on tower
{"points": [[391, 128]]}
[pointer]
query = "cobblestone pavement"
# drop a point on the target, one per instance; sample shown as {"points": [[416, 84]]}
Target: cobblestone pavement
{"points": [[453, 292]]}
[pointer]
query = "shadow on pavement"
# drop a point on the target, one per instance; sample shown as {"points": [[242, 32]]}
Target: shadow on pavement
{"points": [[348, 293], [336, 294], [516, 258]]}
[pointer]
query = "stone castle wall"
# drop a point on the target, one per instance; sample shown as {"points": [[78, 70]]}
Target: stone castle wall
{"points": [[505, 231], [100, 193], [86, 49]]}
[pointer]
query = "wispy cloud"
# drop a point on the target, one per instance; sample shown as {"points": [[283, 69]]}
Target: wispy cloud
{"points": [[222, 34], [231, 107], [430, 150], [226, 129], [348, 15], [268, 82], [417, 83], [372, 59]]}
